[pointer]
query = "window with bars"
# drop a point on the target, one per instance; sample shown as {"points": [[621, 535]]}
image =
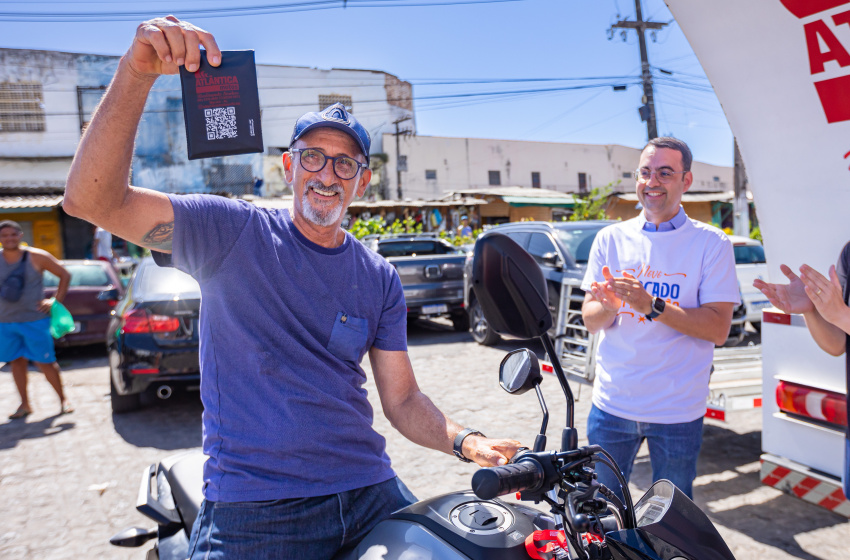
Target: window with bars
{"points": [[326, 101], [21, 107], [495, 177]]}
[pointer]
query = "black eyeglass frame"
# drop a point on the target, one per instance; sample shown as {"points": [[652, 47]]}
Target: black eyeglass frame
{"points": [[327, 157]]}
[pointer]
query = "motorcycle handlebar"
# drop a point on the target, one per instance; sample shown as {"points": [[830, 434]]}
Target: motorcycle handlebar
{"points": [[491, 482]]}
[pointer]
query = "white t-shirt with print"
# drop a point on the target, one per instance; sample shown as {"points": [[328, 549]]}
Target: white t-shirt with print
{"points": [[102, 243], [645, 370]]}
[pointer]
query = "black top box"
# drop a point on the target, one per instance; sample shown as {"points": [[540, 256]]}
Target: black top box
{"points": [[221, 107]]}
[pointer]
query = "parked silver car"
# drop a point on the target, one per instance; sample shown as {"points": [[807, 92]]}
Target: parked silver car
{"points": [[749, 265]]}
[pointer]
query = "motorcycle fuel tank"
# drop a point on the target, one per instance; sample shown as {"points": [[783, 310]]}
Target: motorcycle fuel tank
{"points": [[452, 527]]}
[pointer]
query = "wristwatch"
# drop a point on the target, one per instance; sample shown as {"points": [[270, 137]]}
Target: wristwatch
{"points": [[658, 306], [458, 446]]}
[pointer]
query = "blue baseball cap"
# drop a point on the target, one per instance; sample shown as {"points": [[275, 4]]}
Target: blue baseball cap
{"points": [[337, 117]]}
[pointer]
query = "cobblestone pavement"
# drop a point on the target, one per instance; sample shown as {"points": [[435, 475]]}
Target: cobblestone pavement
{"points": [[67, 483]]}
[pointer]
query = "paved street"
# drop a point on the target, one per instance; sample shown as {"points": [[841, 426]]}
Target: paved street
{"points": [[67, 483]]}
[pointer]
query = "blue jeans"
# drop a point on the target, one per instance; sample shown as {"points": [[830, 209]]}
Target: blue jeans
{"points": [[673, 448], [298, 528], [846, 477]]}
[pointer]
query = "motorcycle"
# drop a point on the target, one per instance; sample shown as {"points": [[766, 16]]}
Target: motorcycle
{"points": [[586, 520]]}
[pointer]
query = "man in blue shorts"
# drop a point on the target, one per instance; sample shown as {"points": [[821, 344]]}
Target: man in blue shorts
{"points": [[291, 303], [25, 322]]}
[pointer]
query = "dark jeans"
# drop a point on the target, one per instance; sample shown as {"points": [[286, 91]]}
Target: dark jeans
{"points": [[673, 448], [298, 528]]}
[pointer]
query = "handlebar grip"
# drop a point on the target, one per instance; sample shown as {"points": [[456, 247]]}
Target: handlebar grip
{"points": [[491, 482]]}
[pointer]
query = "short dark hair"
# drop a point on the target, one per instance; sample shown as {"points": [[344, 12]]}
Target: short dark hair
{"points": [[673, 144], [11, 224]]}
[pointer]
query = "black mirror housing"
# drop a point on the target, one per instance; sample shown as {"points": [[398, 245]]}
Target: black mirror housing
{"points": [[510, 288], [519, 371]]}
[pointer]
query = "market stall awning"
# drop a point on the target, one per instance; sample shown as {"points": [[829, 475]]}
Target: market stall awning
{"points": [[29, 202], [561, 202], [724, 196]]}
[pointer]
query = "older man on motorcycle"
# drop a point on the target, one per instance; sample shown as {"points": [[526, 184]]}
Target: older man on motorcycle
{"points": [[291, 303]]}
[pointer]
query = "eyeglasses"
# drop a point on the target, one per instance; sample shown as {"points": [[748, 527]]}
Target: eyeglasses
{"points": [[663, 175], [314, 161]]}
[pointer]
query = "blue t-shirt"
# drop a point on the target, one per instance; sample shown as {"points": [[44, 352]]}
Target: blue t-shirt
{"points": [[284, 324]]}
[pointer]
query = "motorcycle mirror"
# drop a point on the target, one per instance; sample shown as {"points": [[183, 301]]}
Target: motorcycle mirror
{"points": [[510, 287], [519, 371], [133, 537]]}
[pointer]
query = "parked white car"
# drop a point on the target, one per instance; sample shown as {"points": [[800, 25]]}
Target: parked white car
{"points": [[749, 265]]}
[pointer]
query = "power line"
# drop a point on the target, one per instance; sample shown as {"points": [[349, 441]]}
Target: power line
{"points": [[302, 6], [465, 95]]}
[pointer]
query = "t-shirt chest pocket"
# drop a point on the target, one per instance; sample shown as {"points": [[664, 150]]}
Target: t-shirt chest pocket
{"points": [[348, 337]]}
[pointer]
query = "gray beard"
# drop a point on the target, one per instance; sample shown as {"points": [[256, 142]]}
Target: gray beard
{"points": [[323, 218]]}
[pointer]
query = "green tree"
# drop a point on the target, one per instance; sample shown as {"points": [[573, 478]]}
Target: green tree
{"points": [[592, 206], [361, 228]]}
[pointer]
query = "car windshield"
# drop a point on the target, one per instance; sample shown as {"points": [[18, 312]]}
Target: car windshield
{"points": [[579, 240], [156, 280], [81, 275], [412, 248], [749, 254]]}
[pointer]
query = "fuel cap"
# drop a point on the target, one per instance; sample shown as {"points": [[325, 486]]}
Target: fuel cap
{"points": [[481, 518]]}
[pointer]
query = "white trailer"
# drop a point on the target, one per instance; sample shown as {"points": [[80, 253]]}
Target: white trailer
{"points": [[781, 70]]}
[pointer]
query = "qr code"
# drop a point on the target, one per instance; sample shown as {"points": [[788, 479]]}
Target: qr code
{"points": [[221, 122]]}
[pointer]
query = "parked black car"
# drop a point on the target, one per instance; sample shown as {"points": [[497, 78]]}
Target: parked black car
{"points": [[431, 274], [561, 249], [152, 338]]}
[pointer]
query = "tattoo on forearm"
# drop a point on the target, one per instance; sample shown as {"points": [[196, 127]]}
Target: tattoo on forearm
{"points": [[159, 237]]}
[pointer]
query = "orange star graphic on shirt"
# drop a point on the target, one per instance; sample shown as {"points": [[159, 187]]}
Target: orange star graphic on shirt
{"points": [[642, 319]]}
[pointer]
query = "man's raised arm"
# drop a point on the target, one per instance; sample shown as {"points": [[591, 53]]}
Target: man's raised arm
{"points": [[98, 188]]}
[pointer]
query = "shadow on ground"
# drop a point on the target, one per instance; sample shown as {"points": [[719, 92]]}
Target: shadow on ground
{"points": [[730, 491], [168, 425], [14, 431]]}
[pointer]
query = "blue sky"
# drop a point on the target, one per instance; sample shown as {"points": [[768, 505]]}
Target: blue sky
{"points": [[490, 41]]}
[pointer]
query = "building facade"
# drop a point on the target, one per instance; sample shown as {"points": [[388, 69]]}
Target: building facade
{"points": [[433, 166], [47, 99]]}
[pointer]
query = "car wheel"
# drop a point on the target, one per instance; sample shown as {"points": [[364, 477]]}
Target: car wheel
{"points": [[120, 403], [575, 333], [460, 321], [479, 327], [123, 403]]}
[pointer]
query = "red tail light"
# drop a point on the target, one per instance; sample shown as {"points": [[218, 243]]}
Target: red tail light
{"points": [[141, 321], [825, 406]]}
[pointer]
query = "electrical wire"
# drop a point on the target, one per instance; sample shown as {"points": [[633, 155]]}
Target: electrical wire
{"points": [[197, 13]]}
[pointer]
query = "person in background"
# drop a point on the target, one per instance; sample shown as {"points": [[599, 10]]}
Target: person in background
{"points": [[661, 288], [258, 186], [25, 323], [465, 230], [102, 245], [823, 302]]}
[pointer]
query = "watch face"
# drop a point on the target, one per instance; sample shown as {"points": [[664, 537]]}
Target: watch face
{"points": [[658, 305]]}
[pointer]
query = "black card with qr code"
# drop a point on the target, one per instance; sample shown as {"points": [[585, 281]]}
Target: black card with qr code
{"points": [[221, 106]]}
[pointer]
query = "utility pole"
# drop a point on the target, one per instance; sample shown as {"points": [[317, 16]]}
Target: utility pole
{"points": [[741, 221], [399, 165], [647, 111]]}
